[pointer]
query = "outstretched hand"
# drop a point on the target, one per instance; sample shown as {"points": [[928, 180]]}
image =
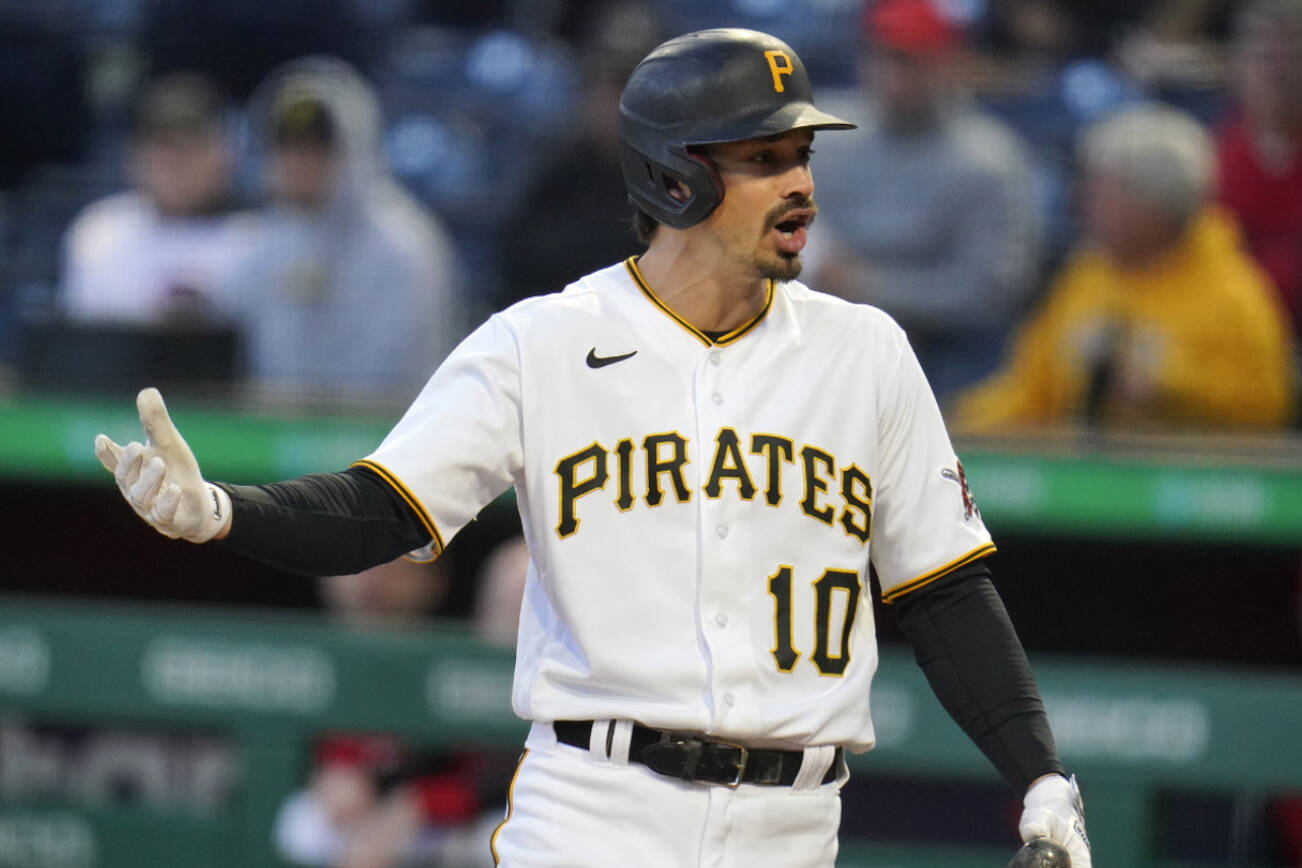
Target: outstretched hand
{"points": [[160, 478]]}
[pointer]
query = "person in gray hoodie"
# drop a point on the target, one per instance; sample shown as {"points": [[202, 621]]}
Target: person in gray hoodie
{"points": [[929, 211], [351, 289]]}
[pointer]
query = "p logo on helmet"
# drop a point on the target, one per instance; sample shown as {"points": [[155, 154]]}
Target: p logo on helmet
{"points": [[779, 65]]}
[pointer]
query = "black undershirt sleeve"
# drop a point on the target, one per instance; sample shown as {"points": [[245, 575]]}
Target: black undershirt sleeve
{"points": [[965, 643], [325, 524]]}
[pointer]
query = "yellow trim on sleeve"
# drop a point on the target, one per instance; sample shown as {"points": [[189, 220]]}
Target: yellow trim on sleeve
{"points": [[900, 590], [510, 807], [414, 502], [770, 289], [419, 556]]}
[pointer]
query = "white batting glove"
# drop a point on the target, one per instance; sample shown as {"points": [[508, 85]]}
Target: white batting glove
{"points": [[1052, 809], [161, 479]]}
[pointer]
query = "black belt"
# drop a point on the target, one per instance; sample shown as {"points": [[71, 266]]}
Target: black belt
{"points": [[689, 758]]}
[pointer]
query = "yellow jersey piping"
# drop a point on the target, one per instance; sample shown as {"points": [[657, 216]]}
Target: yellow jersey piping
{"points": [[926, 578], [510, 808], [414, 502], [770, 289]]}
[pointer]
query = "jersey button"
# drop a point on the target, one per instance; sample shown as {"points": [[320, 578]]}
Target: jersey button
{"points": [[716, 358], [721, 619], [729, 700], [717, 398], [722, 531]]}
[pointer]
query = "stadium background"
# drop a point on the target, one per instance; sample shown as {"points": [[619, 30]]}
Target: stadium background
{"points": [[157, 702]]}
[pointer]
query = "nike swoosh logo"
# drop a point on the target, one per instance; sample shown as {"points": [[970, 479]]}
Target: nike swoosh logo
{"points": [[596, 361]]}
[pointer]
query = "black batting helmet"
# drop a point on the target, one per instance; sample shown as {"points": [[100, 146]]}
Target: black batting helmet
{"points": [[705, 88]]}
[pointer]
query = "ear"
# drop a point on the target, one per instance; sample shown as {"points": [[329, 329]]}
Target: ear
{"points": [[679, 192]]}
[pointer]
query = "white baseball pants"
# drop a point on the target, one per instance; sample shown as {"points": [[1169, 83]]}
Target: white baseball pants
{"points": [[573, 808]]}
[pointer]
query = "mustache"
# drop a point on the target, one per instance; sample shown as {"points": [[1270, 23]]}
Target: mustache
{"points": [[799, 203]]}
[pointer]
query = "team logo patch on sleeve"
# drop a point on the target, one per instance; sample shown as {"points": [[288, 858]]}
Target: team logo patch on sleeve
{"points": [[956, 475]]}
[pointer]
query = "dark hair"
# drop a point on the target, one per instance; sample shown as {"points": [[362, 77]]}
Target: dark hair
{"points": [[179, 102], [644, 226]]}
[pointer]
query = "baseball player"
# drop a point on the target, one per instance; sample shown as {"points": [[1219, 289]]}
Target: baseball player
{"points": [[707, 456]]}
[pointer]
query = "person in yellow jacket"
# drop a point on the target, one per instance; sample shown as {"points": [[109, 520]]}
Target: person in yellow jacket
{"points": [[1160, 318]]}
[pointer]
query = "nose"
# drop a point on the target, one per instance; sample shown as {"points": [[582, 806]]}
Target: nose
{"points": [[799, 181]]}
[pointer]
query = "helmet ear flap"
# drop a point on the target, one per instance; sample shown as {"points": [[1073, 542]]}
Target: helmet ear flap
{"points": [[713, 174], [653, 185]]}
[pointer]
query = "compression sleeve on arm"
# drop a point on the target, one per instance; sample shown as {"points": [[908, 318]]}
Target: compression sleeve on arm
{"points": [[324, 524], [965, 643]]}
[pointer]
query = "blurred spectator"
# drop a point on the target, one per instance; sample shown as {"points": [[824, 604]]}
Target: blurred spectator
{"points": [[500, 588], [575, 218], [373, 800], [401, 593], [163, 249], [1260, 149], [1159, 318], [927, 211], [351, 286]]}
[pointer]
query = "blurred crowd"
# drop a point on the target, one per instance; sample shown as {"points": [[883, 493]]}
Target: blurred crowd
{"points": [[1081, 212], [373, 800]]}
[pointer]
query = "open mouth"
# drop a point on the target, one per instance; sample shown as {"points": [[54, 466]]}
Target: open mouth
{"points": [[791, 236], [793, 222]]}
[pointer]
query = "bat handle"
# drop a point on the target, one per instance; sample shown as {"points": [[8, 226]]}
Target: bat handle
{"points": [[1040, 853]]}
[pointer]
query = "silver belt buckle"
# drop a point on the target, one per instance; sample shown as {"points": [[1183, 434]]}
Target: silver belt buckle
{"points": [[741, 763]]}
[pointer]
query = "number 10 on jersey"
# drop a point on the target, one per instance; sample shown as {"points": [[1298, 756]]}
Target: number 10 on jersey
{"points": [[836, 593]]}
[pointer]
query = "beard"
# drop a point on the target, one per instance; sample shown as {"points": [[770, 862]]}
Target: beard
{"points": [[777, 264]]}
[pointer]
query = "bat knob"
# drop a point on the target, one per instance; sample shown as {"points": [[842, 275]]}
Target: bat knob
{"points": [[1041, 853]]}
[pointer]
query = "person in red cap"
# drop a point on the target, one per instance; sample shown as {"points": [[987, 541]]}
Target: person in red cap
{"points": [[929, 212], [913, 43], [1260, 147]]}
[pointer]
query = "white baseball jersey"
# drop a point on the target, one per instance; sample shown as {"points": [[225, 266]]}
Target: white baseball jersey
{"points": [[700, 513]]}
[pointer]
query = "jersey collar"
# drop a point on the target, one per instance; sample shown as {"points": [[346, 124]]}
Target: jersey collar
{"points": [[726, 338]]}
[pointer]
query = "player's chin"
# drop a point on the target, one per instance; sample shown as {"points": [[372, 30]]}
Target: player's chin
{"points": [[779, 266]]}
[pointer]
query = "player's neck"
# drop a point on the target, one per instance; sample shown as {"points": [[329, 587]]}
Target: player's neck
{"points": [[707, 291]]}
